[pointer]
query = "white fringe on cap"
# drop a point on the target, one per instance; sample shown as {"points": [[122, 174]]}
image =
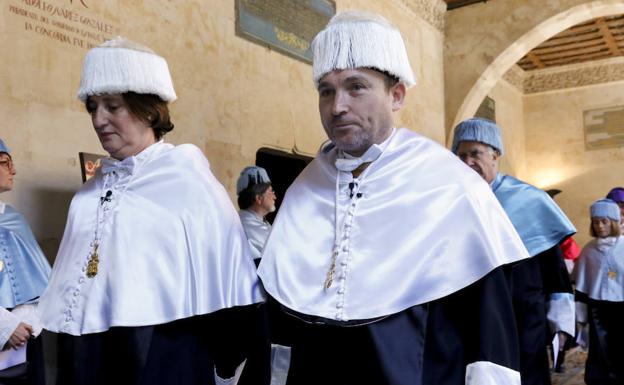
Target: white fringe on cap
{"points": [[355, 39], [119, 66]]}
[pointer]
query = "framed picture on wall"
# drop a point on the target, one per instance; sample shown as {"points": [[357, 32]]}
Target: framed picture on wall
{"points": [[604, 128], [89, 163]]}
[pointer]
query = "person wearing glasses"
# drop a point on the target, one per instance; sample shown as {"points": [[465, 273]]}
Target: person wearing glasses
{"points": [[24, 272], [541, 288], [256, 199]]}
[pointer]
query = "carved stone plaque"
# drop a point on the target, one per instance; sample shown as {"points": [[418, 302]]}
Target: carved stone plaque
{"points": [[604, 128], [288, 26]]}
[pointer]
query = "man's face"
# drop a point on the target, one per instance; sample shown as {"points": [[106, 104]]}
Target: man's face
{"points": [[7, 170], [267, 200], [356, 108], [480, 157]]}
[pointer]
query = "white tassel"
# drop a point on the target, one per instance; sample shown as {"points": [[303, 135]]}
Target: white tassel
{"points": [[113, 70], [361, 40]]}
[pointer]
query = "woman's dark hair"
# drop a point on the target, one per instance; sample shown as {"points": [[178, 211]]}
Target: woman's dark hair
{"points": [[247, 197], [151, 110]]}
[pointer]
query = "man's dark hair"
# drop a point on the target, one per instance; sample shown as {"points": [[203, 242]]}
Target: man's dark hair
{"points": [[389, 79], [247, 197]]}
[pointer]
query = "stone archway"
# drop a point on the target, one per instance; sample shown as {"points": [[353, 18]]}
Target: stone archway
{"points": [[466, 90]]}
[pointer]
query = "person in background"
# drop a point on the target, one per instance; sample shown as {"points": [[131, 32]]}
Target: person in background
{"points": [[569, 248], [365, 260], [24, 272], [617, 195], [599, 275], [542, 292], [256, 199], [153, 282]]}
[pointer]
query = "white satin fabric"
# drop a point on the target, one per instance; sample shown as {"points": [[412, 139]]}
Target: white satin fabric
{"points": [[172, 248], [560, 313], [599, 257], [488, 373], [257, 231], [424, 227]]}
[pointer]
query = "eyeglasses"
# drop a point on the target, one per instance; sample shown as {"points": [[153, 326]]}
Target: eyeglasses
{"points": [[8, 164]]}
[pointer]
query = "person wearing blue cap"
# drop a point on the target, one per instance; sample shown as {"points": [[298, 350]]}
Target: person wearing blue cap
{"points": [[541, 287], [599, 276], [24, 272], [365, 262], [256, 199]]}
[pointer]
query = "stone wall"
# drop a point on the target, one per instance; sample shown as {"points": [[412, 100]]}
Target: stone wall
{"points": [[235, 96], [510, 118], [556, 156]]}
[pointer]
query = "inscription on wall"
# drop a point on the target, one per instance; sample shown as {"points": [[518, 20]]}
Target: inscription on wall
{"points": [[288, 26], [70, 24], [604, 128]]}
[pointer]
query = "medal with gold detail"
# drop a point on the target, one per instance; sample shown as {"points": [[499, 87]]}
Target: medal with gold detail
{"points": [[94, 261], [612, 274]]}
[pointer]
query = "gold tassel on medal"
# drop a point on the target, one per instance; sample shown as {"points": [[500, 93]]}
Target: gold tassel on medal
{"points": [[92, 266]]}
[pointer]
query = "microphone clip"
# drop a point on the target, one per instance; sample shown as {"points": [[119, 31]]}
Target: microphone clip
{"points": [[106, 198]]}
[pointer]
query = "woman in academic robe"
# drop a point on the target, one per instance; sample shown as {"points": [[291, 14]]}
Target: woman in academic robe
{"points": [[24, 272], [599, 275], [153, 282]]}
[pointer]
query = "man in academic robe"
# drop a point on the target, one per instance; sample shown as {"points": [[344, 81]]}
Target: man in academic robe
{"points": [[256, 199], [542, 293], [385, 257]]}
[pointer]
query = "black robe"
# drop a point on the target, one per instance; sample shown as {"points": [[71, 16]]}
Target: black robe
{"points": [[431, 343], [186, 351], [605, 360], [532, 281]]}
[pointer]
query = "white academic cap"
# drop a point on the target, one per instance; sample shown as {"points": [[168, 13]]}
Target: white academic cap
{"points": [[120, 65], [250, 176], [478, 130], [356, 39]]}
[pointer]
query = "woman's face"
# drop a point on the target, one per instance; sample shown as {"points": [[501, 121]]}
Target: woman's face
{"points": [[121, 133], [601, 226], [7, 170]]}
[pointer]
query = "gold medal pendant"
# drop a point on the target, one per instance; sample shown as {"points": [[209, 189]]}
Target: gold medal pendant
{"points": [[612, 274], [92, 266], [330, 274]]}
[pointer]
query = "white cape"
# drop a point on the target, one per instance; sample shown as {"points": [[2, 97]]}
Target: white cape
{"points": [[426, 226], [599, 270], [173, 248]]}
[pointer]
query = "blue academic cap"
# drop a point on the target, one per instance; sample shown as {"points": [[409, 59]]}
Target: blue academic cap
{"points": [[251, 175], [605, 208], [3, 147], [478, 130]]}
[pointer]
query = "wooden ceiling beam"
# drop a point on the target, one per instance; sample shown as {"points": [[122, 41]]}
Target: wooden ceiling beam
{"points": [[568, 47], [608, 37], [576, 52], [577, 59], [535, 60], [552, 42]]}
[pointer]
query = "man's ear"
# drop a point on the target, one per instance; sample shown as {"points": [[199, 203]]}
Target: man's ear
{"points": [[398, 92], [258, 199]]}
